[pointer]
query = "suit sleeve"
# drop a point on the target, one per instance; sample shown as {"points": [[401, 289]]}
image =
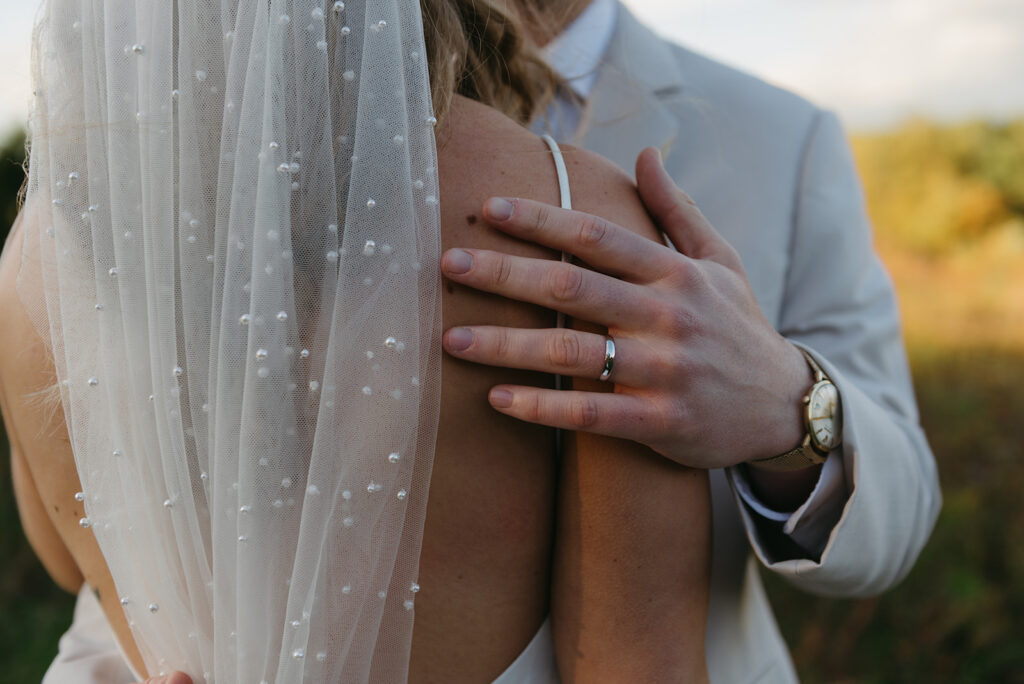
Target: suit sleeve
{"points": [[840, 306]]}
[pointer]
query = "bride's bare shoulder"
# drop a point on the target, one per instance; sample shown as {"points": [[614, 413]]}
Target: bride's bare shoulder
{"points": [[482, 153], [24, 351]]}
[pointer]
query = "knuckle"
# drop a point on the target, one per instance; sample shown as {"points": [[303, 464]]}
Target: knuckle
{"points": [[533, 408], [564, 350], [502, 343], [680, 421], [567, 283], [502, 269], [683, 270], [669, 416], [583, 413], [592, 231], [540, 218], [690, 275], [680, 210], [685, 321], [732, 256], [685, 198], [677, 319], [698, 277]]}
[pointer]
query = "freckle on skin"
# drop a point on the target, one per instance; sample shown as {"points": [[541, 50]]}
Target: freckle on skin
{"points": [[471, 219]]}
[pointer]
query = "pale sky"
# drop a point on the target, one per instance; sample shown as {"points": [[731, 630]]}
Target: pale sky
{"points": [[875, 62]]}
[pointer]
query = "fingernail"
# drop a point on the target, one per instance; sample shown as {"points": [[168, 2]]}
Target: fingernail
{"points": [[458, 339], [499, 209], [501, 398], [458, 261]]}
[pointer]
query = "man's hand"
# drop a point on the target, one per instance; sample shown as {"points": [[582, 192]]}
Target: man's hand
{"points": [[700, 374]]}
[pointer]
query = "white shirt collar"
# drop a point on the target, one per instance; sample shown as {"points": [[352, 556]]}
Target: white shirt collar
{"points": [[576, 53]]}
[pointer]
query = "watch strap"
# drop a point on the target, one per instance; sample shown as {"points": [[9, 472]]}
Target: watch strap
{"points": [[804, 456], [819, 372]]}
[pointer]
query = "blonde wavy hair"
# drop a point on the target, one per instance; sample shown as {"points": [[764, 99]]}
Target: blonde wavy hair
{"points": [[481, 49]]}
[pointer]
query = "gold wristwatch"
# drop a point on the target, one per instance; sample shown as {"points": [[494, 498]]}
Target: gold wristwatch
{"points": [[823, 420]]}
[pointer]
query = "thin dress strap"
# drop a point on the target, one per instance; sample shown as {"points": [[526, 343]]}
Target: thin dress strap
{"points": [[563, 175], [566, 201]]}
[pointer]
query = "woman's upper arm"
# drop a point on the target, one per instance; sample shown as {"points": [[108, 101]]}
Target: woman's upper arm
{"points": [[634, 529], [18, 371], [39, 529]]}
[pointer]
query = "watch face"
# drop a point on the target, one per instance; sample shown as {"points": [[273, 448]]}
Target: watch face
{"points": [[823, 416]]}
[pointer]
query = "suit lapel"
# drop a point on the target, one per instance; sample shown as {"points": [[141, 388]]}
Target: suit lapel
{"points": [[627, 109]]}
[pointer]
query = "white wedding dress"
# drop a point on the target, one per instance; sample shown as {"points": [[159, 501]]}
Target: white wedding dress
{"points": [[89, 653]]}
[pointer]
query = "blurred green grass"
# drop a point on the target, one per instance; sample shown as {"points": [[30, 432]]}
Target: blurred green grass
{"points": [[959, 616]]}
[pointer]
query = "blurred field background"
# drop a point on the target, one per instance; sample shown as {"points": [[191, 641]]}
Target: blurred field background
{"points": [[948, 207]]}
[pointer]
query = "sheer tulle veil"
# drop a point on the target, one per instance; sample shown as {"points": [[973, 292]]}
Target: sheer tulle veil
{"points": [[233, 253]]}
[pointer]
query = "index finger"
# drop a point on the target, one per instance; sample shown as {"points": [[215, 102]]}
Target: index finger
{"points": [[603, 245]]}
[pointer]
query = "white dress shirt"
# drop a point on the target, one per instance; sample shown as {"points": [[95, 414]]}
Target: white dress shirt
{"points": [[575, 55]]}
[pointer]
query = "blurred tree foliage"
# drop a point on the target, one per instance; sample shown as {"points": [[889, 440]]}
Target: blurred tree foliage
{"points": [[12, 159], [934, 189], [948, 208]]}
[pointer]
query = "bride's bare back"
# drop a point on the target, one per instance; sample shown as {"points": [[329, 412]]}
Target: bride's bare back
{"points": [[489, 542]]}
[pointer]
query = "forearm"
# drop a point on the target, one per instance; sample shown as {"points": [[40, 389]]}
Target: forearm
{"points": [[39, 529], [632, 563]]}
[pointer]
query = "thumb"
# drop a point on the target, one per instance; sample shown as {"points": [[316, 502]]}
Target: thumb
{"points": [[676, 214]]}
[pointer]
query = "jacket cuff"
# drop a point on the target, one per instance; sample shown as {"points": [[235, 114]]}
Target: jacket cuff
{"points": [[802, 534], [810, 525]]}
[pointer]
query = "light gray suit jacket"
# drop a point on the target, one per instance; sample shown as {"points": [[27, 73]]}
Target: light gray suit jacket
{"points": [[774, 174]]}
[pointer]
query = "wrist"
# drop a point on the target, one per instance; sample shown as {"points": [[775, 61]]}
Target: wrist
{"points": [[782, 490], [787, 428], [824, 425]]}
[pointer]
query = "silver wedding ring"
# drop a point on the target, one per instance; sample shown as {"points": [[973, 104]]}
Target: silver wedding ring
{"points": [[609, 357]]}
